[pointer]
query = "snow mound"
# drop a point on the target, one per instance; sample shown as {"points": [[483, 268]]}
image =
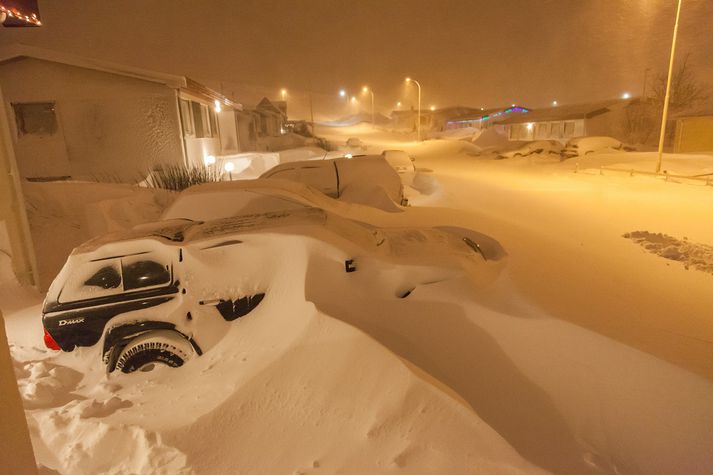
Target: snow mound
{"points": [[63, 215], [490, 137], [355, 119], [301, 153], [691, 255], [441, 148], [89, 446], [288, 388]]}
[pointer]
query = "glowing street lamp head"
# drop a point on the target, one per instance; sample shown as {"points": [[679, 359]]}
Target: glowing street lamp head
{"points": [[283, 92], [626, 95], [229, 167], [364, 89], [554, 103], [398, 104], [529, 126], [433, 108], [408, 79], [353, 99], [342, 93]]}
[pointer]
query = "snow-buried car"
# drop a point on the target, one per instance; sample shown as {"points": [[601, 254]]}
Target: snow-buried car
{"points": [[165, 291]]}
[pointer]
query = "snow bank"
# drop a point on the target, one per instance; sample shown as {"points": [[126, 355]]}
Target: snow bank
{"points": [[62, 215], [578, 350], [491, 137], [302, 153], [246, 166], [442, 148], [287, 389], [697, 256]]}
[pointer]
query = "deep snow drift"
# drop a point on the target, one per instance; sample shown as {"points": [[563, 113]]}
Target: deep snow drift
{"points": [[578, 352]]}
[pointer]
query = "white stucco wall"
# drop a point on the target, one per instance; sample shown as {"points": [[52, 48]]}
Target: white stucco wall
{"points": [[14, 229], [110, 125]]}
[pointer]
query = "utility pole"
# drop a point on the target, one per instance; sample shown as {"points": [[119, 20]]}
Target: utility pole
{"points": [[662, 137], [418, 125], [366, 89]]}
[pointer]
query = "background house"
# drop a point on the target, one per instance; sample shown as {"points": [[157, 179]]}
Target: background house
{"points": [[484, 118], [450, 118], [77, 117], [694, 132], [564, 122], [271, 117]]}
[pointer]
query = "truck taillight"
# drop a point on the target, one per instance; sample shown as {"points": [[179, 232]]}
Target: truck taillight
{"points": [[49, 341]]}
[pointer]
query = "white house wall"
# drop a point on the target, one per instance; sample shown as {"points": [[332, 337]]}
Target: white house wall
{"points": [[110, 125], [562, 130], [228, 131]]}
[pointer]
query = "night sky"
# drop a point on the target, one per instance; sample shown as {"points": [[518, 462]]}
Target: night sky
{"points": [[478, 53]]}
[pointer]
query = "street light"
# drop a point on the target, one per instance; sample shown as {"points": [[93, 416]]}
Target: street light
{"points": [[283, 93], [418, 127], [554, 103], [626, 95], [342, 93], [373, 116], [398, 105], [668, 89], [433, 108]]}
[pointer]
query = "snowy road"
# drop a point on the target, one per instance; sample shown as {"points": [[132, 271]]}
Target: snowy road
{"points": [[564, 233]]}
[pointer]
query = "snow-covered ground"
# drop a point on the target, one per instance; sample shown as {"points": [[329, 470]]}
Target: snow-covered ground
{"points": [[589, 349]]}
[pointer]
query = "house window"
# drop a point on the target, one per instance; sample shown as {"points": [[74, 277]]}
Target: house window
{"points": [[213, 123], [186, 117], [201, 122], [569, 129], [556, 130], [35, 118]]}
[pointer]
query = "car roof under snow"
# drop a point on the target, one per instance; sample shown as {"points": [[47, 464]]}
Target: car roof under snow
{"points": [[181, 231]]}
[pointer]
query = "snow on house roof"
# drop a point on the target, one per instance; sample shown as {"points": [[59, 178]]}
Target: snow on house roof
{"points": [[702, 110], [196, 88], [569, 112], [486, 114], [266, 105], [19, 51]]}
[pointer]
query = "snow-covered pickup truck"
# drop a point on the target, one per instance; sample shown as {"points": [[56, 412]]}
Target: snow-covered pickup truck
{"points": [[166, 291]]}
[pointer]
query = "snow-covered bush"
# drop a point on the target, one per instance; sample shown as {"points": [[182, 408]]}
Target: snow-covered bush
{"points": [[180, 177]]}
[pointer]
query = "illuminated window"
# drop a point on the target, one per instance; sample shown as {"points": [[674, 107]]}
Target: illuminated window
{"points": [[213, 123], [186, 117], [35, 118], [569, 129], [201, 121]]}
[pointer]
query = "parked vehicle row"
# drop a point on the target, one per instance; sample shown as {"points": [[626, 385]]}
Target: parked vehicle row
{"points": [[165, 292]]}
